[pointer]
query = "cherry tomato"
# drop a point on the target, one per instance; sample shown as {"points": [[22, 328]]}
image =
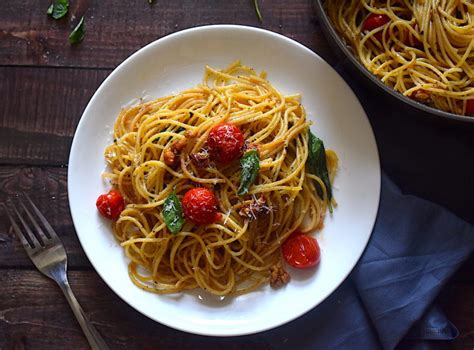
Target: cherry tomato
{"points": [[111, 204], [374, 21], [225, 142], [470, 107], [200, 206], [301, 251]]}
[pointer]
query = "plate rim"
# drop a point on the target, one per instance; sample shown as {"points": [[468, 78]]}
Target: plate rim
{"points": [[171, 36]]}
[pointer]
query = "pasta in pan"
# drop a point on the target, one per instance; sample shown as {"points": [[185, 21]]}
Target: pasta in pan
{"points": [[422, 49], [202, 214]]}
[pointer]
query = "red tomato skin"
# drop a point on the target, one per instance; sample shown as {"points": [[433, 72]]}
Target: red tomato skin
{"points": [[470, 107], [374, 21], [110, 205], [301, 251], [225, 142], [200, 206]]}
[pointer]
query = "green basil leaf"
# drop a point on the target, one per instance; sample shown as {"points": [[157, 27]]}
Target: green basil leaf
{"points": [[58, 9], [317, 165], [173, 213], [77, 34], [250, 165]]}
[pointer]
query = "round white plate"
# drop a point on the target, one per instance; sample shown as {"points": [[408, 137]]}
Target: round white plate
{"points": [[176, 62]]}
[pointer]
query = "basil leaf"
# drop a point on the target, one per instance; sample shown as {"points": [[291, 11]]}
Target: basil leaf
{"points": [[77, 34], [58, 9], [317, 165], [173, 213], [250, 165]]}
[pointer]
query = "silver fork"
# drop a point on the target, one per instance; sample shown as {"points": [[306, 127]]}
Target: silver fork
{"points": [[46, 251]]}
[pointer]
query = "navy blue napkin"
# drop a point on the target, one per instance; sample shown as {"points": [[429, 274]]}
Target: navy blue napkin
{"points": [[388, 299]]}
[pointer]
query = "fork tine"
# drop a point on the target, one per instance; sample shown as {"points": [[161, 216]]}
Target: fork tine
{"points": [[33, 243], [38, 228], [16, 229], [46, 225]]}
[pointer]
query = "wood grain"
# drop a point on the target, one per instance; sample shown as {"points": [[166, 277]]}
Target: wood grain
{"points": [[33, 312], [48, 189], [40, 110], [113, 31], [35, 315]]}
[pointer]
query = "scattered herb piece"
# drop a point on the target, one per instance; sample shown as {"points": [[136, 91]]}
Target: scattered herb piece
{"points": [[317, 165], [77, 34], [257, 10], [250, 165], [173, 213], [58, 9]]}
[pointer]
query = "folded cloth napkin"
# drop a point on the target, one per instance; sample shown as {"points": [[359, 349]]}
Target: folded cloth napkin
{"points": [[388, 298]]}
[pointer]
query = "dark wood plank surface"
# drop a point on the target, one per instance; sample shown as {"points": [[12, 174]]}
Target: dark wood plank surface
{"points": [[35, 315], [45, 85], [34, 312], [29, 37], [41, 107]]}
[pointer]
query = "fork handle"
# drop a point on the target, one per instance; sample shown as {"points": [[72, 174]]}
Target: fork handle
{"points": [[95, 339]]}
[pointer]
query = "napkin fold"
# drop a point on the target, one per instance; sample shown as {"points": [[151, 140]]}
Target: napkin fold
{"points": [[415, 247]]}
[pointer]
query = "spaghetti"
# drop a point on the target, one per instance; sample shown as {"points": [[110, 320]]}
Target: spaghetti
{"points": [[422, 49], [234, 254]]}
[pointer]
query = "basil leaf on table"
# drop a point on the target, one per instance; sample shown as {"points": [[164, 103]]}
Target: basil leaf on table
{"points": [[58, 9], [173, 213], [317, 165], [250, 165], [77, 34]]}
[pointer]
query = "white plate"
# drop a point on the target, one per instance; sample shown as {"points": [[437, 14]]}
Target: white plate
{"points": [[177, 62]]}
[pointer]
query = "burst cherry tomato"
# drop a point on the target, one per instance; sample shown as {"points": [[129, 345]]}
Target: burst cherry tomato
{"points": [[374, 21], [470, 107], [301, 250], [225, 142], [200, 206], [111, 204]]}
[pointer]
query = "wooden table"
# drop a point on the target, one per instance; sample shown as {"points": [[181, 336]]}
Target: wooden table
{"points": [[45, 85]]}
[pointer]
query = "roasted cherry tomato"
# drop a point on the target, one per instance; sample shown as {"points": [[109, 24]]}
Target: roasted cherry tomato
{"points": [[374, 21], [111, 204], [200, 206], [301, 250], [470, 107], [225, 142]]}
